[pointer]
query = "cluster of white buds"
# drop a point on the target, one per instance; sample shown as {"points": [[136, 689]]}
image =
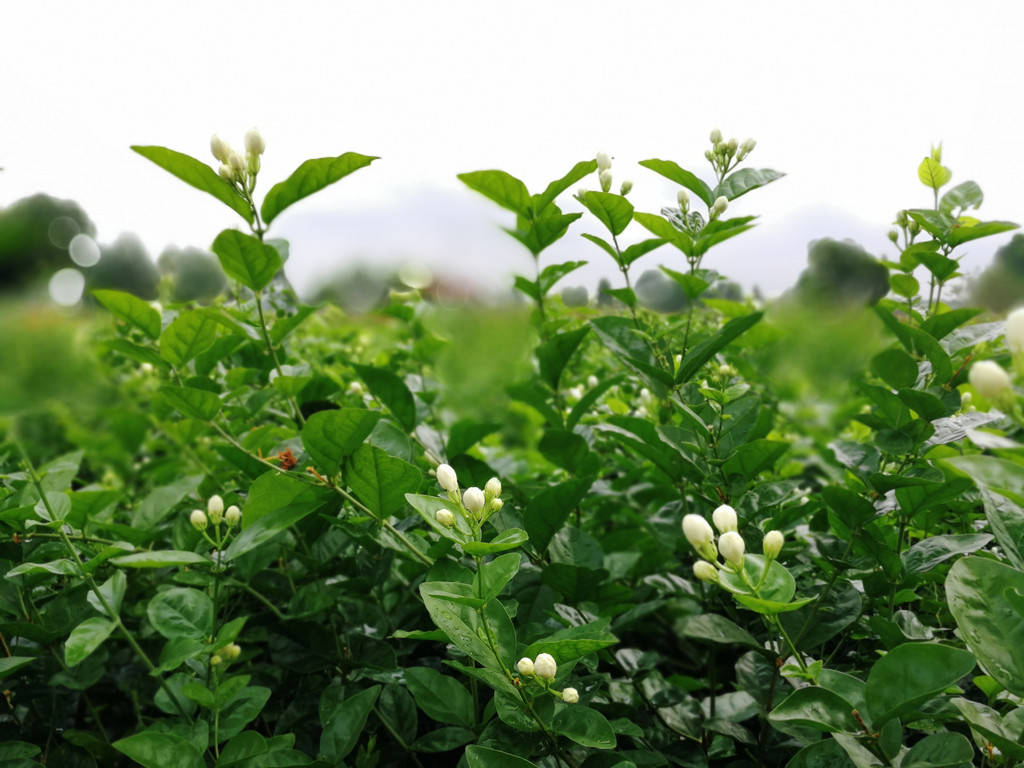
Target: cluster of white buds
{"points": [[731, 546], [234, 167], [719, 207], [228, 653], [478, 504], [726, 371], [215, 514], [723, 152], [544, 668]]}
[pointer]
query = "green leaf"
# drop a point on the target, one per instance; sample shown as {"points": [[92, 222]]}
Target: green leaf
{"points": [[190, 333], [507, 539], [964, 195], [485, 757], [156, 749], [311, 176], [466, 433], [558, 186], [592, 396], [86, 638], [700, 354], [554, 354], [387, 387], [197, 403], [933, 174], [161, 558], [197, 174], [247, 259], [635, 251], [181, 612], [940, 750], [503, 188], [287, 500], [663, 229], [463, 626], [822, 754], [629, 345], [379, 480], [602, 244], [546, 513], [963, 233], [132, 310], [493, 575], [573, 643], [242, 710], [428, 507], [931, 552], [906, 285], [555, 272], [693, 285], [909, 675], [895, 367], [673, 172], [346, 723], [585, 726], [714, 628], [330, 436], [1002, 485], [976, 590], [752, 458], [443, 739], [11, 664], [441, 697], [614, 211], [745, 180], [817, 708], [538, 234], [916, 341], [112, 590]]}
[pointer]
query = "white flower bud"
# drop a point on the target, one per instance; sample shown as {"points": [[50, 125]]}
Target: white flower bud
{"points": [[724, 518], [603, 161], [215, 660], [254, 143], [473, 499], [731, 546], [544, 666], [220, 148], [447, 478], [592, 381], [772, 544], [580, 193], [705, 571], [231, 652], [146, 368], [725, 369], [697, 531], [606, 180], [198, 519], [493, 487], [215, 508], [232, 515], [525, 666], [445, 517], [732, 145], [496, 505], [894, 236], [237, 163], [226, 172], [356, 388], [990, 380], [626, 188], [570, 696], [748, 146], [1015, 331], [965, 400], [719, 207], [683, 198], [716, 136]]}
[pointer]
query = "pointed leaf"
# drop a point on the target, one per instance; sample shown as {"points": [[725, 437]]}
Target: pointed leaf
{"points": [[247, 259], [132, 310], [198, 175], [310, 177]]}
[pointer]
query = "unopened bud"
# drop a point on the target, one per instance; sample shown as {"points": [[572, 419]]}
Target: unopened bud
{"points": [[232, 515], [492, 488], [231, 652], [447, 478], [496, 505], [894, 236], [237, 163], [772, 544], [252, 163], [683, 198], [215, 508], [731, 547], [525, 666], [697, 531], [626, 188], [198, 519], [719, 207], [226, 172], [716, 136], [592, 381], [705, 571], [254, 143], [215, 660], [219, 148], [732, 145], [544, 666], [473, 499], [965, 400], [606, 180], [724, 518], [445, 517], [748, 146], [603, 161], [990, 380], [913, 227], [570, 696]]}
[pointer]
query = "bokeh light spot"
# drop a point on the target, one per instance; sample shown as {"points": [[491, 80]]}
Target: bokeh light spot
{"points": [[66, 286]]}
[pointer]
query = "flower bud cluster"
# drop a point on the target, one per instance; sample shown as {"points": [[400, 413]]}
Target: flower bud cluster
{"points": [[731, 547], [214, 515], [477, 505], [235, 167], [543, 669], [725, 155]]}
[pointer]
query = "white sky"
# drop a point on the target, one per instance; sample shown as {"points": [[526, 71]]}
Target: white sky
{"points": [[844, 97]]}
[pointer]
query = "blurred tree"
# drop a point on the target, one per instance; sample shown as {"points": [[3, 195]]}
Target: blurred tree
{"points": [[125, 265], [194, 274], [34, 236], [841, 272], [1000, 287]]}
